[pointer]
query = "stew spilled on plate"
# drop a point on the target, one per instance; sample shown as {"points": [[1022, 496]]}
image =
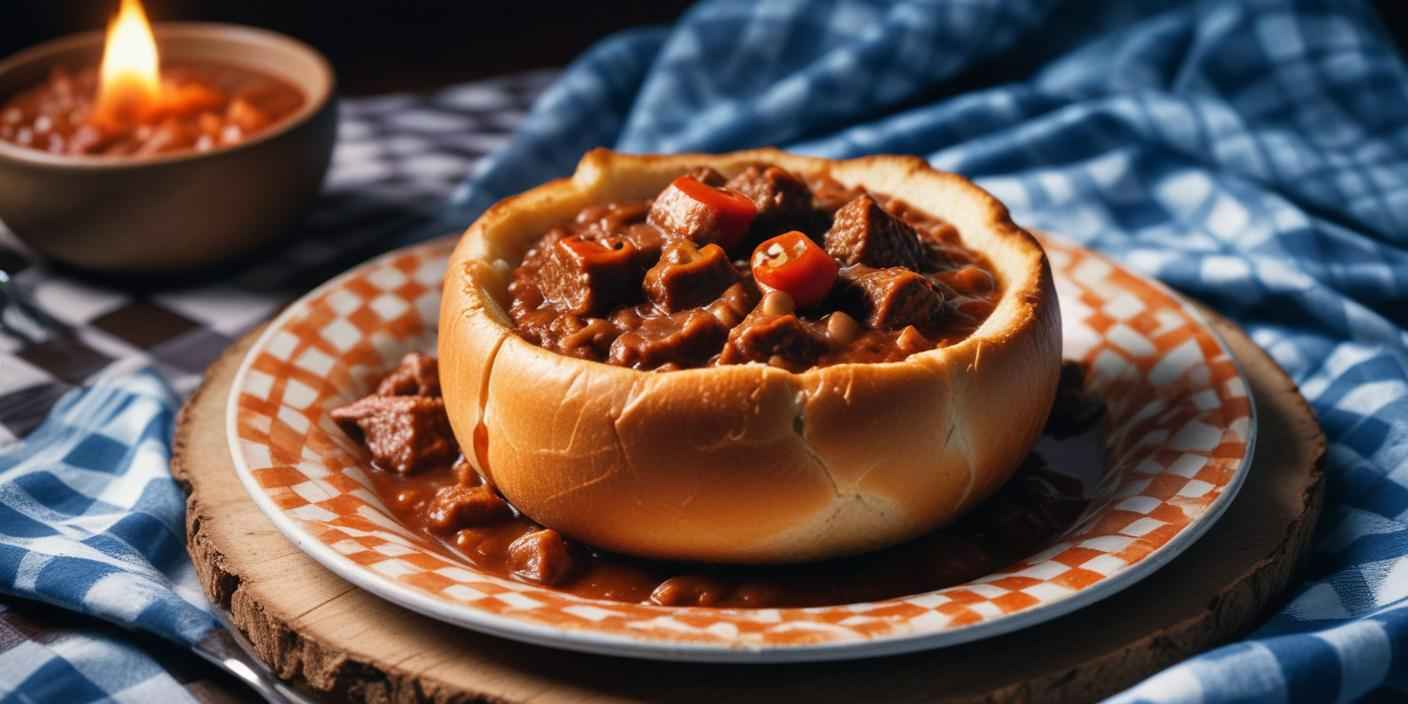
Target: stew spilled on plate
{"points": [[423, 479]]}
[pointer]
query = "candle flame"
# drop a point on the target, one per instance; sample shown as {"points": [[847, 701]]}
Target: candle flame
{"points": [[129, 78]]}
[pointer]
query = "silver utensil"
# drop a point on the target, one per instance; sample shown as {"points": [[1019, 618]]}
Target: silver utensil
{"points": [[228, 649], [224, 647]]}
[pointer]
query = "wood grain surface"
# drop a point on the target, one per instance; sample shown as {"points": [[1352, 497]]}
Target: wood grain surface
{"points": [[313, 627]]}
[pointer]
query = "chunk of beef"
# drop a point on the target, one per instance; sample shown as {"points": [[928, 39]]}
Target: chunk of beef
{"points": [[701, 214], [542, 556], [863, 233], [537, 255], [687, 338], [525, 296], [707, 176], [458, 506], [613, 217], [417, 375], [1022, 526], [689, 590], [946, 558], [1075, 409], [648, 241], [589, 278], [1058, 498], [623, 221], [890, 299], [688, 276], [735, 302], [573, 335], [784, 202], [536, 324], [588, 338], [829, 195], [465, 473], [403, 433], [768, 338]]}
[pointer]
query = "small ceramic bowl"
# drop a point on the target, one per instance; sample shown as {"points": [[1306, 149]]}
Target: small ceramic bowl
{"points": [[171, 213]]}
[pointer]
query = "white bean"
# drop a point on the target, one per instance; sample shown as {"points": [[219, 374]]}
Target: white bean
{"points": [[778, 303], [841, 327]]}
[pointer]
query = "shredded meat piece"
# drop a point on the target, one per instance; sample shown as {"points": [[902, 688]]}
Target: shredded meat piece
{"points": [[403, 433], [542, 556], [418, 375], [862, 232]]}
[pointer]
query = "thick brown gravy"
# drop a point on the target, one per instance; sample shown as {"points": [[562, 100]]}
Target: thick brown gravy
{"points": [[904, 281], [1020, 520], [402, 426]]}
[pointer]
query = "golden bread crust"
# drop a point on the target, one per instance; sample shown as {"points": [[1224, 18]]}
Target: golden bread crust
{"points": [[747, 463]]}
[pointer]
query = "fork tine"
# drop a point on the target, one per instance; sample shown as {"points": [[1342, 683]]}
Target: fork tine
{"points": [[10, 293], [5, 328]]}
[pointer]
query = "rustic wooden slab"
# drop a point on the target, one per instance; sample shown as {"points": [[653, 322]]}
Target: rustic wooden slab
{"points": [[312, 626]]}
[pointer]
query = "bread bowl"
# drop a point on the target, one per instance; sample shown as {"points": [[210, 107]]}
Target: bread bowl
{"points": [[746, 463]]}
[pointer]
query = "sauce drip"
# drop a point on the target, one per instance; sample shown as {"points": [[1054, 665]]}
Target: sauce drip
{"points": [[481, 447]]}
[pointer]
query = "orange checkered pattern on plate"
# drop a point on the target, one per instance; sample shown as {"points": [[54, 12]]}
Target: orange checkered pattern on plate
{"points": [[1176, 433]]}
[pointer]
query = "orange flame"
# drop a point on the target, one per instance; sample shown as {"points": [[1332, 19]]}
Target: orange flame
{"points": [[130, 77]]}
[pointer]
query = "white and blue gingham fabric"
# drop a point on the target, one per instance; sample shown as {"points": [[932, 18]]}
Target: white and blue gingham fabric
{"points": [[1252, 154], [91, 520]]}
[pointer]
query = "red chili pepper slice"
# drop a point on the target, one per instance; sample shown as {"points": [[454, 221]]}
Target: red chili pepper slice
{"points": [[793, 263], [734, 212]]}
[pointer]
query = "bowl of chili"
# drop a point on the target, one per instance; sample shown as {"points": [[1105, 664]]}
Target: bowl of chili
{"points": [[222, 175]]}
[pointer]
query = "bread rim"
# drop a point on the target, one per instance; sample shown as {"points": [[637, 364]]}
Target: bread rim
{"points": [[747, 463]]}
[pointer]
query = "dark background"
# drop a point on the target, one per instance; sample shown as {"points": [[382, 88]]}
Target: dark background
{"points": [[380, 46]]}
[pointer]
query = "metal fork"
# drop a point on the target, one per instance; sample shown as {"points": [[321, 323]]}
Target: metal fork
{"points": [[227, 649], [12, 298]]}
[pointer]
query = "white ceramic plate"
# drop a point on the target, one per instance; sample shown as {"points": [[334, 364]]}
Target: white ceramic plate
{"points": [[1177, 439]]}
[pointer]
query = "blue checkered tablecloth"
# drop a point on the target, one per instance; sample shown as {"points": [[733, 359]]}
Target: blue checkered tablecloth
{"points": [[1253, 154], [90, 518]]}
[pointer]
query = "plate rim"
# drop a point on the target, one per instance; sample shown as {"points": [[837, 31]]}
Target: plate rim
{"points": [[644, 646]]}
